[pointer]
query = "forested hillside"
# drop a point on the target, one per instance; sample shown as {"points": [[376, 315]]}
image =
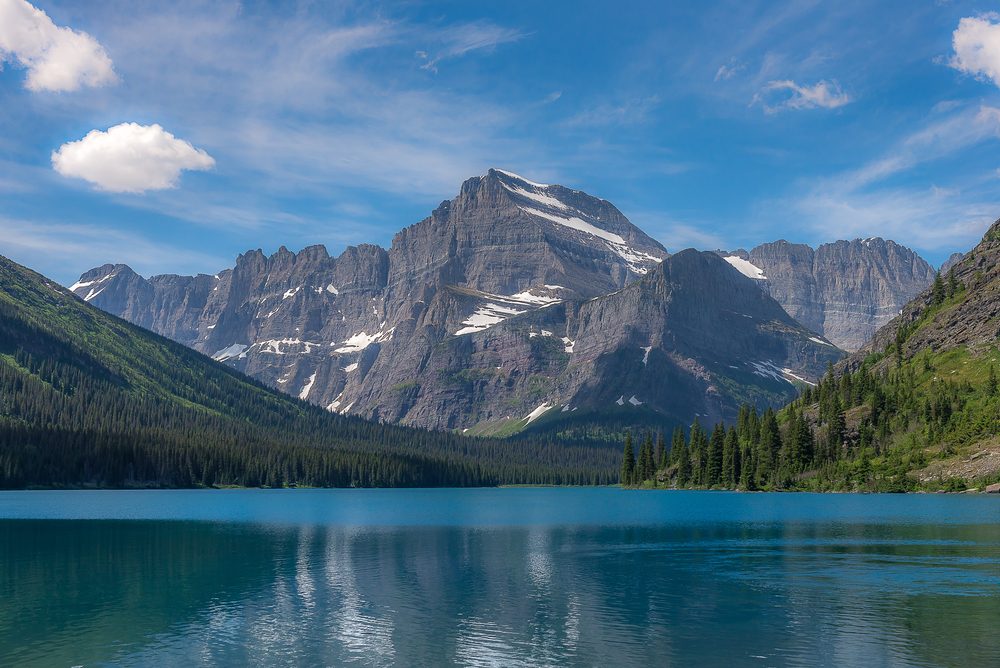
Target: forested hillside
{"points": [[87, 399], [919, 408]]}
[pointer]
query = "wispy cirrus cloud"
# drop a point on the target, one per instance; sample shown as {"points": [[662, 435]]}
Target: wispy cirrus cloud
{"points": [[55, 249], [877, 199], [459, 40], [57, 58], [786, 94], [729, 69], [628, 112]]}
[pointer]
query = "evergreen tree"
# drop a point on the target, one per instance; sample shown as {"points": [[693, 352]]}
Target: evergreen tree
{"points": [[898, 348], [807, 444], [647, 467], [770, 446], [836, 430], [661, 452], [677, 445], [683, 466], [698, 446], [938, 289], [713, 460], [628, 462], [991, 382], [731, 460]]}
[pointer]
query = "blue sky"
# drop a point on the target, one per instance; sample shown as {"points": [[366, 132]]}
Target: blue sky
{"points": [[173, 136]]}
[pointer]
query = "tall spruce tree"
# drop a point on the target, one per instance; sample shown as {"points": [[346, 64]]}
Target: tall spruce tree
{"points": [[684, 469], [628, 462], [713, 460], [938, 289], [647, 467], [770, 446], [731, 460], [677, 445]]}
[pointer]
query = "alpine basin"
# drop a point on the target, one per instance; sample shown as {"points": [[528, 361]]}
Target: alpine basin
{"points": [[537, 576]]}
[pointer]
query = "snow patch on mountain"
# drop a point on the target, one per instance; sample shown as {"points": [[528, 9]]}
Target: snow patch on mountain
{"points": [[745, 267], [358, 342], [522, 179], [307, 388], [94, 291], [485, 317], [235, 350], [537, 413], [578, 224], [274, 346]]}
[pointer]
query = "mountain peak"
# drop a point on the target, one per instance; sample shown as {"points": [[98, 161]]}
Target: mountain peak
{"points": [[510, 177]]}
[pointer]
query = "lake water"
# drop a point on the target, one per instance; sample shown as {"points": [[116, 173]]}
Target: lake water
{"points": [[497, 577]]}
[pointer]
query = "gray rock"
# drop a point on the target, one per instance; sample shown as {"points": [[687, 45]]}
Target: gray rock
{"points": [[512, 301], [845, 290]]}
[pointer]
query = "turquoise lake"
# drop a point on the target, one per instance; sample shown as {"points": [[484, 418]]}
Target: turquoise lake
{"points": [[497, 577]]}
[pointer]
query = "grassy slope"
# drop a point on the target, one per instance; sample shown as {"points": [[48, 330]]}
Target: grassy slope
{"points": [[936, 347]]}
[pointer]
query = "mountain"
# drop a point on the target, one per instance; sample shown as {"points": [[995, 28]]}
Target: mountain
{"points": [[952, 260], [89, 399], [510, 300], [918, 408], [845, 290]]}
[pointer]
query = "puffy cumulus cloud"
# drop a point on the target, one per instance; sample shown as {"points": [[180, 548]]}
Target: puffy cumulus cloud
{"points": [[130, 158], [57, 58], [787, 94], [976, 42]]}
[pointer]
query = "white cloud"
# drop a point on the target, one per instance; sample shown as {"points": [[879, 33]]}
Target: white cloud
{"points": [[976, 42], [874, 199], [62, 251], [787, 94], [463, 38], [630, 112], [728, 70], [57, 58], [130, 158]]}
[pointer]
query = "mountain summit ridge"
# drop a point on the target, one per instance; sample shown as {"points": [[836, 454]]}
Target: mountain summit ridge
{"points": [[845, 290], [510, 299]]}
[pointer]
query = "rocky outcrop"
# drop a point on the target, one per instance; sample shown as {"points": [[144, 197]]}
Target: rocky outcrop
{"points": [[972, 319], [845, 290], [513, 301], [952, 260]]}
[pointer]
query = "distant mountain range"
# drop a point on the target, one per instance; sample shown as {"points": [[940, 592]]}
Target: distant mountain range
{"points": [[519, 305], [918, 408], [845, 290]]}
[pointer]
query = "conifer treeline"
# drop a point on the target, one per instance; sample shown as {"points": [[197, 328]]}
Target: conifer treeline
{"points": [[88, 399], [59, 426], [897, 413]]}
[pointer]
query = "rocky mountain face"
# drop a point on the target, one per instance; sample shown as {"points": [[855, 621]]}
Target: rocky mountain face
{"points": [[845, 290], [970, 319], [513, 301]]}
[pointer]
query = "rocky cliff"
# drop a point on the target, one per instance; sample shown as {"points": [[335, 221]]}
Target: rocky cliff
{"points": [[846, 290], [513, 301]]}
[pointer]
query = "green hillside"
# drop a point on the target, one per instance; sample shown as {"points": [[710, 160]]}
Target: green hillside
{"points": [[87, 399], [917, 409]]}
